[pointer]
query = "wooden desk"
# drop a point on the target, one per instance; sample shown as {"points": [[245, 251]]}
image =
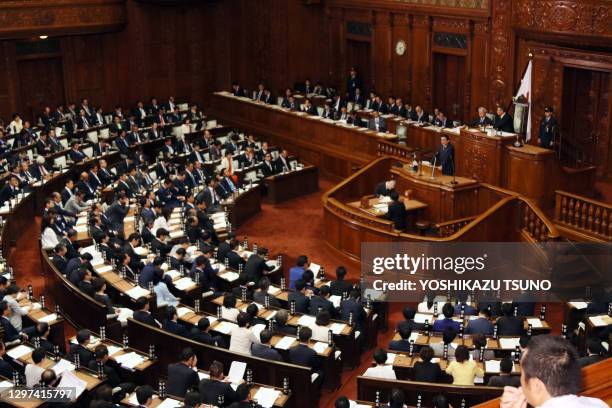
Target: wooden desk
{"points": [[243, 206], [296, 183], [333, 147]]}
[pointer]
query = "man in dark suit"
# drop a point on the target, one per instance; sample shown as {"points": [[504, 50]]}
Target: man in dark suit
{"points": [[10, 334], [408, 321], [171, 324], [256, 267], [59, 258], [445, 156], [268, 168], [75, 154], [112, 371], [339, 286], [505, 377], [442, 121], [83, 338], [398, 108], [397, 212], [302, 302], [282, 162], [10, 190], [321, 301], [352, 83], [508, 324], [425, 370], [200, 333], [182, 376], [377, 123], [480, 325], [421, 115], [117, 212], [211, 388], [548, 126], [309, 108], [595, 352], [353, 307], [503, 120], [6, 368], [263, 349], [304, 355], [384, 188], [403, 344], [142, 313], [482, 119]]}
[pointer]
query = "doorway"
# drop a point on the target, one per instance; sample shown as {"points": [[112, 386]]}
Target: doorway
{"points": [[41, 83]]}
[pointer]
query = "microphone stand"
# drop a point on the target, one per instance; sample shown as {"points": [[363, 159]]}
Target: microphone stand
{"points": [[453, 182], [433, 169]]}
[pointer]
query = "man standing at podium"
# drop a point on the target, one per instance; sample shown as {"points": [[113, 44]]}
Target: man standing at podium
{"points": [[445, 156], [547, 128]]}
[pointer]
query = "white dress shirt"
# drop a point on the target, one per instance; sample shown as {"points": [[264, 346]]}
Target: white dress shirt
{"points": [[573, 401], [32, 374], [48, 239], [380, 371]]}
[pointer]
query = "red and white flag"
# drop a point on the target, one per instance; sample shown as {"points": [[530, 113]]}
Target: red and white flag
{"points": [[525, 92]]}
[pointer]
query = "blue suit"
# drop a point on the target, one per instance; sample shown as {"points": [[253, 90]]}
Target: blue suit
{"points": [[442, 324], [445, 157], [295, 273], [481, 325]]}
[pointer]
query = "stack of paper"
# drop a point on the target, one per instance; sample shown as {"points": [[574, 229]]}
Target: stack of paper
{"points": [[273, 290], [236, 371], [534, 322], [71, 381], [306, 320], [62, 366], [315, 268], [320, 347], [390, 358], [19, 351], [271, 315], [420, 318], [266, 397], [5, 384], [509, 342], [170, 403], [113, 349], [184, 283], [337, 328], [579, 305], [492, 366], [103, 268], [130, 360], [335, 299], [257, 329], [285, 343], [182, 311], [230, 276], [225, 327], [203, 376], [137, 292], [124, 314]]}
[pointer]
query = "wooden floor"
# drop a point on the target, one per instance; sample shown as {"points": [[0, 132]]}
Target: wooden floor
{"points": [[292, 228]]}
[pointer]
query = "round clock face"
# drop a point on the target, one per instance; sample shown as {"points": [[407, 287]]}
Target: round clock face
{"points": [[400, 47]]}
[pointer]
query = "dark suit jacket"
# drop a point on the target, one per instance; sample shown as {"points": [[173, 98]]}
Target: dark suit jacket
{"points": [[382, 124], [180, 379], [211, 389], [587, 360], [479, 326], [411, 324], [10, 332], [255, 267], [446, 159], [175, 328], [317, 302], [399, 345], [301, 301], [85, 356], [427, 372], [504, 380], [504, 124], [305, 356], [145, 317], [381, 189], [509, 326], [397, 214], [338, 287], [481, 121], [265, 351]]}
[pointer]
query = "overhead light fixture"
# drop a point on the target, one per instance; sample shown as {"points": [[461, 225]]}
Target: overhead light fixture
{"points": [[43, 37]]}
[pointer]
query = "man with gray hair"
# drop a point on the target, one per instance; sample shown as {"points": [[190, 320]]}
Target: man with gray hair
{"points": [[482, 119]]}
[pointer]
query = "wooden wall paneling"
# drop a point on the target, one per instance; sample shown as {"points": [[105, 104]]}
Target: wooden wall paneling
{"points": [[421, 61], [502, 42], [478, 60], [401, 83], [382, 53]]}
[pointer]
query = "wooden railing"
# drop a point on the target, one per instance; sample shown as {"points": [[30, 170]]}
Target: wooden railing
{"points": [[535, 224], [395, 150], [448, 228], [585, 219]]}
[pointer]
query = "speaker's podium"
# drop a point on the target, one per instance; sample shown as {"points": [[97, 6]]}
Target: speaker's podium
{"points": [[530, 170]]}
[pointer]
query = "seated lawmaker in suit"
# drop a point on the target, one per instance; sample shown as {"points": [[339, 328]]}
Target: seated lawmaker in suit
{"points": [[397, 212], [445, 156], [408, 321], [482, 324], [425, 370], [377, 123], [142, 313], [442, 121], [508, 324], [302, 354], [441, 324], [171, 324], [403, 344], [482, 119], [183, 375], [211, 388], [268, 168], [505, 377], [382, 369], [264, 349], [302, 302], [385, 188], [309, 108], [339, 286], [321, 301], [594, 352], [261, 293], [503, 120]]}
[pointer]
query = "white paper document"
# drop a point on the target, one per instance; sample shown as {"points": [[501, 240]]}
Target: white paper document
{"points": [[225, 327], [266, 397], [184, 283], [390, 358], [236, 371], [230, 276], [285, 343], [137, 292], [70, 380], [62, 366], [509, 342], [19, 351], [420, 318], [579, 305], [130, 360], [320, 347], [492, 366], [314, 268], [182, 311], [335, 299], [170, 403], [306, 320], [337, 328], [257, 329], [534, 322]]}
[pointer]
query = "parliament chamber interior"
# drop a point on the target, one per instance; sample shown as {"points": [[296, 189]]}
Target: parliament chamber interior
{"points": [[234, 203]]}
